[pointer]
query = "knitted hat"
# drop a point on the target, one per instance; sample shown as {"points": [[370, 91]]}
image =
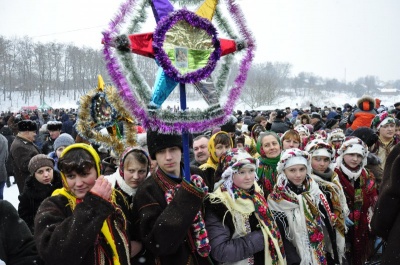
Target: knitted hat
{"points": [[158, 141], [39, 161], [367, 135], [63, 140], [291, 157], [380, 120], [27, 126], [54, 125], [318, 147]]}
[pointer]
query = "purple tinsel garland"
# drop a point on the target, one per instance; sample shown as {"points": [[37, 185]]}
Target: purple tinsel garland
{"points": [[158, 41], [140, 112]]}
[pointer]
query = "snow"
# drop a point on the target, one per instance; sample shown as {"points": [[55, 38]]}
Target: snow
{"points": [[11, 194]]}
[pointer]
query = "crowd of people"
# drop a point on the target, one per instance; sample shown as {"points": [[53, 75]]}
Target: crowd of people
{"points": [[305, 186]]}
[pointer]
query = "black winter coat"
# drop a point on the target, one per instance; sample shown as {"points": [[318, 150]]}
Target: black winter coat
{"points": [[64, 237], [164, 228], [16, 242], [386, 219], [22, 151], [33, 195]]}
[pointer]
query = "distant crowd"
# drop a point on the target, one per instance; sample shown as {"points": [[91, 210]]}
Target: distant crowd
{"points": [[315, 185]]}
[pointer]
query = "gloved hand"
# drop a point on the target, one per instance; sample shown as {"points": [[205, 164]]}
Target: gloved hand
{"points": [[348, 222], [199, 182]]}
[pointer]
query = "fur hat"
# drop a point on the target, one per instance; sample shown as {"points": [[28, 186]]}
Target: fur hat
{"points": [[39, 161], [366, 103], [380, 120], [280, 114], [316, 115], [63, 140], [230, 125], [158, 141], [54, 125], [27, 126], [367, 135]]}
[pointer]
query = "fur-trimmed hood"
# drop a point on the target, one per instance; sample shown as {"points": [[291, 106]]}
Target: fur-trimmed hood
{"points": [[366, 103]]}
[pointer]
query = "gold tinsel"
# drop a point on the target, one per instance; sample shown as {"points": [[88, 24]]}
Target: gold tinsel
{"points": [[85, 125]]}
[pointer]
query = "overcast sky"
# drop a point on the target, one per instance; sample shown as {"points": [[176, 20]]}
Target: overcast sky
{"points": [[331, 38]]}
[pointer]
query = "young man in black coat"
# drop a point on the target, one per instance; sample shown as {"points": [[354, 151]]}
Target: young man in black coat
{"points": [[165, 228]]}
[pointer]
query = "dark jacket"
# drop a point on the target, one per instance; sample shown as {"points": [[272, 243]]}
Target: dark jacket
{"points": [[17, 246], [165, 228], [386, 219], [220, 230], [32, 196], [279, 126], [48, 146], [6, 132], [22, 151], [320, 125], [66, 237]]}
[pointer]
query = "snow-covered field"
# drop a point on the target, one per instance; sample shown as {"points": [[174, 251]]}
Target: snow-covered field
{"points": [[320, 100], [11, 194]]}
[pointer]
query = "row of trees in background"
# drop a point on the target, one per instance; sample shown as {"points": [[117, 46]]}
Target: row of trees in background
{"points": [[63, 70]]}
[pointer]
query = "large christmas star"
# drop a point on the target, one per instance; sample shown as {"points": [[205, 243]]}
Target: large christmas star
{"points": [[186, 46]]}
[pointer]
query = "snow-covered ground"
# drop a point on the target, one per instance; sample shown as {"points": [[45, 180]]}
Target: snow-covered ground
{"points": [[319, 99], [11, 194]]}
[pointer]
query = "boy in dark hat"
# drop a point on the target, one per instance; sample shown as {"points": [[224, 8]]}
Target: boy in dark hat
{"points": [[166, 205], [22, 150]]}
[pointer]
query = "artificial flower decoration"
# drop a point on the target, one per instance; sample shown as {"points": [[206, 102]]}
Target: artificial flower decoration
{"points": [[186, 47], [103, 108]]}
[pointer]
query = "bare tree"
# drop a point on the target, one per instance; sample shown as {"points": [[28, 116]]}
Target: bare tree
{"points": [[265, 83]]}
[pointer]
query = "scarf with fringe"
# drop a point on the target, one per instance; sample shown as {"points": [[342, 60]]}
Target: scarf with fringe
{"points": [[243, 206], [105, 229], [361, 202], [334, 190], [303, 216]]}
